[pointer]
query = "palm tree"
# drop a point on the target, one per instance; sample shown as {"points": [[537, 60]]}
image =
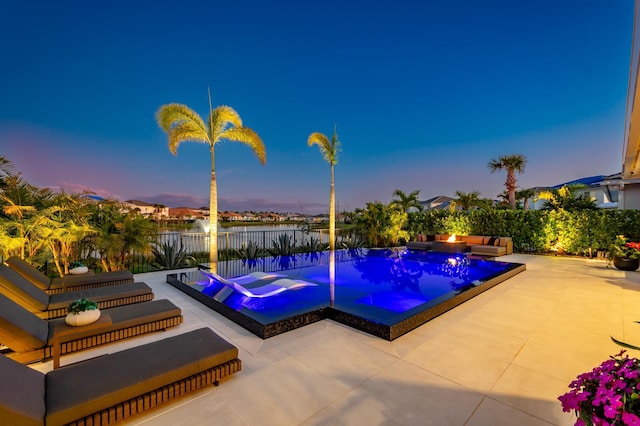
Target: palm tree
{"points": [[183, 124], [329, 150], [405, 202], [512, 164], [525, 195], [467, 201]]}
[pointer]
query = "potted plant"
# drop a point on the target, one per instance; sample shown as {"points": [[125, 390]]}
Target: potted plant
{"points": [[78, 268], [625, 255], [607, 395], [82, 312]]}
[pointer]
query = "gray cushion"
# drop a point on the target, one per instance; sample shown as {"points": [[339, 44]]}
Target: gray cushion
{"points": [[22, 400], [21, 290], [123, 375], [29, 272], [127, 316], [99, 294], [102, 277], [21, 330]]}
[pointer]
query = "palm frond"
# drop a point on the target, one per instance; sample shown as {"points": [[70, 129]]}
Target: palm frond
{"points": [[221, 118], [19, 211], [172, 114], [623, 344], [186, 131], [248, 137], [324, 144]]}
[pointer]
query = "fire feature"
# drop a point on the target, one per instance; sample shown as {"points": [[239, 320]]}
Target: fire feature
{"points": [[450, 245]]}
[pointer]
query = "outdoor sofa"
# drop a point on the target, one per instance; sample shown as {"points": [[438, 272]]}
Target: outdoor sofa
{"points": [[68, 282], [22, 291], [110, 388], [31, 339], [476, 244]]}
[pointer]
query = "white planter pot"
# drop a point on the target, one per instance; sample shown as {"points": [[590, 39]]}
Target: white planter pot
{"points": [[82, 318], [79, 270]]}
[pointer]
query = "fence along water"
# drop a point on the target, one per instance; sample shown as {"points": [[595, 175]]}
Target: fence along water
{"points": [[197, 242]]}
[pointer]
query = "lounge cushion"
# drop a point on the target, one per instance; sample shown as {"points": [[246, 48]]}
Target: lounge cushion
{"points": [[20, 290], [473, 239], [22, 394], [123, 317], [23, 292], [99, 294], [101, 277], [29, 272], [21, 330], [120, 376], [45, 283], [489, 250]]}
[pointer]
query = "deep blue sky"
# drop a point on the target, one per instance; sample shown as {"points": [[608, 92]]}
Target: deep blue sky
{"points": [[424, 94]]}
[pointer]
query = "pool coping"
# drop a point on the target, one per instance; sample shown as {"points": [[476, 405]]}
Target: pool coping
{"points": [[387, 332]]}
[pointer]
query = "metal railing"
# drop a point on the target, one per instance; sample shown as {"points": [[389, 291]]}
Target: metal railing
{"points": [[196, 244]]}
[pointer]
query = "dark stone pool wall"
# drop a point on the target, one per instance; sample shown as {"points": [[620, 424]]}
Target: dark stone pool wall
{"points": [[383, 331]]}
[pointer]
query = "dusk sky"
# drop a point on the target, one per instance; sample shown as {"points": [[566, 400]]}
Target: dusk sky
{"points": [[424, 94]]}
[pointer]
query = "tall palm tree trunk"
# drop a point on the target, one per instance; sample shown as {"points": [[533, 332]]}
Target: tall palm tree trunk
{"points": [[511, 188], [213, 216], [332, 214]]}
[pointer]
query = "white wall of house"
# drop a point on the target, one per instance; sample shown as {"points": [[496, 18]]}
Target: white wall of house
{"points": [[630, 196]]}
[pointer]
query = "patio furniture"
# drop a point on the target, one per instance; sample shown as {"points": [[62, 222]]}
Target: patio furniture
{"points": [[110, 388], [22, 291], [32, 339], [68, 282], [267, 289], [477, 244]]}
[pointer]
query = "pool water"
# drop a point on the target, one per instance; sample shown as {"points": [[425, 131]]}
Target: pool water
{"points": [[383, 292]]}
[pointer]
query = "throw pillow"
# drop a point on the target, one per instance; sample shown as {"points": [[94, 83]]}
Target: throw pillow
{"points": [[492, 241], [431, 237]]}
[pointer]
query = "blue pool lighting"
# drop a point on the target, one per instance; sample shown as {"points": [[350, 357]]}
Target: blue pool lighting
{"points": [[385, 292]]}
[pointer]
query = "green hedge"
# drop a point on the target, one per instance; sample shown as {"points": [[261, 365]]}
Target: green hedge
{"points": [[575, 233]]}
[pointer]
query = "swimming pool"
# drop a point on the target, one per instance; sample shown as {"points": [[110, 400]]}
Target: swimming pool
{"points": [[385, 292]]}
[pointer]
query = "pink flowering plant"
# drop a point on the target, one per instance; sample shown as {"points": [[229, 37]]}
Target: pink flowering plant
{"points": [[608, 395], [625, 249]]}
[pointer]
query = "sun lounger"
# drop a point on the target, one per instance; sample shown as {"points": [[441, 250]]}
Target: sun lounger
{"points": [[113, 387], [258, 291], [68, 282], [31, 338], [20, 290]]}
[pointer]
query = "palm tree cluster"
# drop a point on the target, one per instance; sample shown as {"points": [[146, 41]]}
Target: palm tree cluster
{"points": [[41, 226]]}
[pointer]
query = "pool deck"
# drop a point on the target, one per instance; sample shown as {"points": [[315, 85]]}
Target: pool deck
{"points": [[501, 358]]}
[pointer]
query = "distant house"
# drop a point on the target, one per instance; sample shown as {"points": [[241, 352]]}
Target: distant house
{"points": [[228, 216], [319, 218], [249, 217], [295, 217], [602, 189], [271, 217], [155, 211], [185, 213]]}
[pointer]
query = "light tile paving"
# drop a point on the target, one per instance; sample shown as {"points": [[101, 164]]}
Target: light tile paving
{"points": [[501, 358]]}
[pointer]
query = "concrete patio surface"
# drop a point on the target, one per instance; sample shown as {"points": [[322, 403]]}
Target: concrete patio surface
{"points": [[501, 358]]}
